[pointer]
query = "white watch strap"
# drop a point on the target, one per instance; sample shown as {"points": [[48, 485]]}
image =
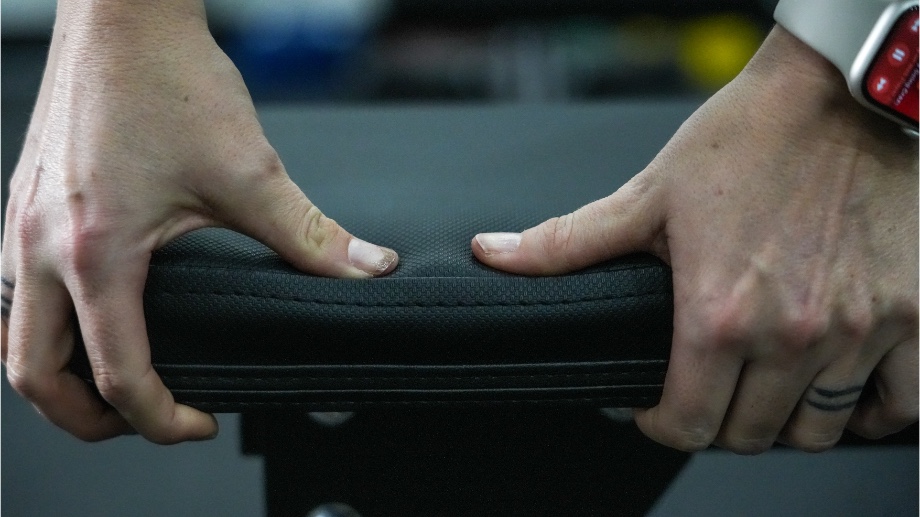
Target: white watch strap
{"points": [[837, 29]]}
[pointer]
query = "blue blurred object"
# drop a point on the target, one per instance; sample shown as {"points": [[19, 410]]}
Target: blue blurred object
{"points": [[293, 49]]}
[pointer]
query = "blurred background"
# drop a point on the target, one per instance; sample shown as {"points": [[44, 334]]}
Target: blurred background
{"points": [[371, 52], [449, 50], [390, 51]]}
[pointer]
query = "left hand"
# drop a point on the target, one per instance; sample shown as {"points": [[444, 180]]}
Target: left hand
{"points": [[143, 131], [788, 214]]}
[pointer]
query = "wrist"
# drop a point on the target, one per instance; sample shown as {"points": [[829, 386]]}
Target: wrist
{"points": [[117, 12], [800, 87], [124, 21]]}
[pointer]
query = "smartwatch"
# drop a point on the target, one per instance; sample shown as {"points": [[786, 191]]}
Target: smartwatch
{"points": [[874, 43]]}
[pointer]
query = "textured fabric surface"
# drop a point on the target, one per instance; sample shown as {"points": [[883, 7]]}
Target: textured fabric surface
{"points": [[233, 327]]}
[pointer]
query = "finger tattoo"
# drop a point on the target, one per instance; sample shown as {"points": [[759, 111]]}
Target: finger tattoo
{"points": [[833, 400], [7, 299]]}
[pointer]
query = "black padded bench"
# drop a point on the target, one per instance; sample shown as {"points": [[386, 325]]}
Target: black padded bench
{"points": [[446, 388]]}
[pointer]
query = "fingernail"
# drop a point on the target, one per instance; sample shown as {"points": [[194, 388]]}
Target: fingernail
{"points": [[498, 243], [370, 258]]}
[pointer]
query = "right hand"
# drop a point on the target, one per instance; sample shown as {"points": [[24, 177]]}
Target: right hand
{"points": [[143, 131], [790, 225]]}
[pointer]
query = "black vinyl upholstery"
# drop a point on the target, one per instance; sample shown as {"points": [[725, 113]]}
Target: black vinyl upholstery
{"points": [[234, 328]]}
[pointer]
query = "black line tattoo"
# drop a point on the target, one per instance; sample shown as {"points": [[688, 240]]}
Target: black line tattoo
{"points": [[831, 407], [6, 299], [828, 399], [836, 393]]}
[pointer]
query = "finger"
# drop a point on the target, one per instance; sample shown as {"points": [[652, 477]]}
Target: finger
{"points": [[110, 309], [624, 222], [890, 399], [41, 344], [698, 389], [835, 392], [7, 286], [7, 292], [276, 212], [827, 403], [819, 419], [767, 393]]}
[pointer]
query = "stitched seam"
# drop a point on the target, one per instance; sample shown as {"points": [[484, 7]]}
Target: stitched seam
{"points": [[261, 269], [298, 299], [547, 376], [596, 400], [640, 365]]}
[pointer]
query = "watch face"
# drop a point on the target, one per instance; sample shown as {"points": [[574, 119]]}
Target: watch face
{"points": [[891, 81]]}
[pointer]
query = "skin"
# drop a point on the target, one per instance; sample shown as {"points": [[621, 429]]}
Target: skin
{"points": [[788, 214], [143, 130]]}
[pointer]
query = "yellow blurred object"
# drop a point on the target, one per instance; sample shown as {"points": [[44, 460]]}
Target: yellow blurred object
{"points": [[714, 49]]}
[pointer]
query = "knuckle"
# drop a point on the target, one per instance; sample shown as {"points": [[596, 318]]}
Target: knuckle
{"points": [[320, 231], [900, 413], [25, 214], [724, 324], [114, 388], [161, 437], [813, 440], [872, 430], [747, 446], [856, 323], [692, 438], [685, 426], [28, 386], [30, 223], [906, 311], [689, 429], [557, 235], [754, 435], [82, 248], [267, 164], [257, 167], [799, 330], [86, 237], [89, 434]]}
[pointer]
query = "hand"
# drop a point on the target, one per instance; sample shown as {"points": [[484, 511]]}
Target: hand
{"points": [[143, 131], [788, 214]]}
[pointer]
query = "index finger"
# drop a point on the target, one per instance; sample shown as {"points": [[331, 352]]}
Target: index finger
{"points": [[111, 314]]}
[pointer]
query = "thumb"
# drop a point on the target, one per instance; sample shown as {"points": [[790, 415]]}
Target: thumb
{"points": [[613, 226], [278, 214]]}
